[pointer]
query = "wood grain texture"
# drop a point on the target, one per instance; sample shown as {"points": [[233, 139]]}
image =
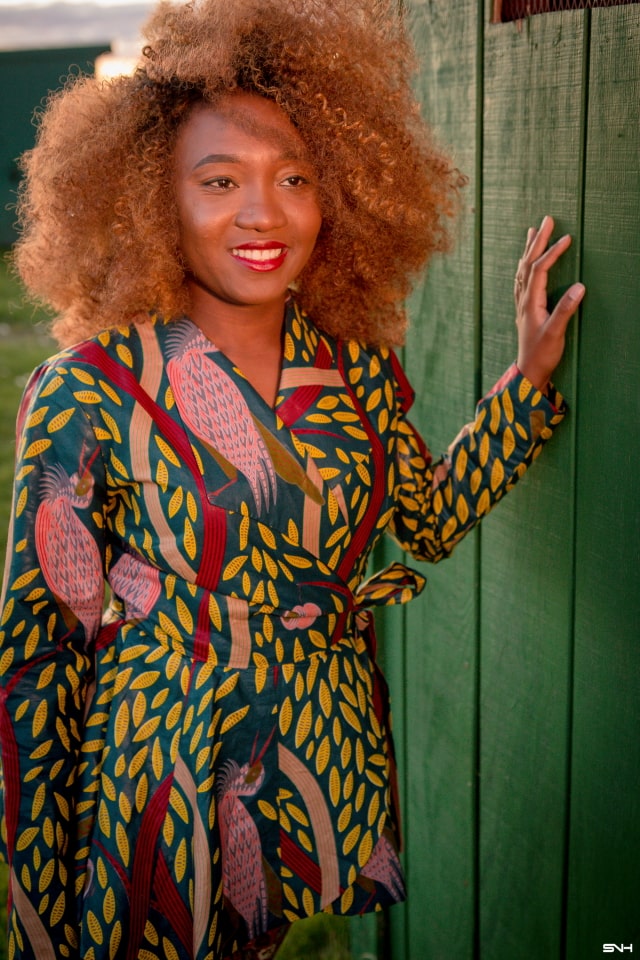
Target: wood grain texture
{"points": [[604, 879], [533, 144], [440, 627]]}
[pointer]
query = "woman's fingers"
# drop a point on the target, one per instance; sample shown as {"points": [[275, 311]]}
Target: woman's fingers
{"points": [[566, 307], [541, 334]]}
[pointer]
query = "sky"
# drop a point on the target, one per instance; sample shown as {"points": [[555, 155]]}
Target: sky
{"points": [[100, 3], [67, 23]]}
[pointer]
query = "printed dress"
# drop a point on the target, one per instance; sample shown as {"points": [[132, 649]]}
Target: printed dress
{"points": [[211, 759]]}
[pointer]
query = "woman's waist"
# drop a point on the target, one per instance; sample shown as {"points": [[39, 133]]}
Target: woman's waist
{"points": [[229, 631]]}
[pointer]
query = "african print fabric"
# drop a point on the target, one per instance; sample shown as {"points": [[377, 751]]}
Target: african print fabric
{"points": [[212, 758]]}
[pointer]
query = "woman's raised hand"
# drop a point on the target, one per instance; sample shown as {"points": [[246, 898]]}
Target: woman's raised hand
{"points": [[541, 335]]}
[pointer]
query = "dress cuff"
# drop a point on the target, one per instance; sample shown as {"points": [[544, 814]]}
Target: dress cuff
{"points": [[553, 396]]}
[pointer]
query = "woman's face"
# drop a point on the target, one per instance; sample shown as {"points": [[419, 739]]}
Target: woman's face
{"points": [[247, 202]]}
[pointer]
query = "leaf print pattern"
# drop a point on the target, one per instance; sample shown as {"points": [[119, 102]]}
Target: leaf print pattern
{"points": [[211, 758]]}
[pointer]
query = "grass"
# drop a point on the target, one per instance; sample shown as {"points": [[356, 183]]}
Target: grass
{"points": [[24, 343]]}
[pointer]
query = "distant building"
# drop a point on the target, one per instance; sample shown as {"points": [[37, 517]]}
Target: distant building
{"points": [[39, 47]]}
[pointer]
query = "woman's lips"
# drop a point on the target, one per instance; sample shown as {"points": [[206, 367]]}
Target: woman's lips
{"points": [[261, 257]]}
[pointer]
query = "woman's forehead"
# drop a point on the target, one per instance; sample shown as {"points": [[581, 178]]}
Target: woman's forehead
{"points": [[255, 117]]}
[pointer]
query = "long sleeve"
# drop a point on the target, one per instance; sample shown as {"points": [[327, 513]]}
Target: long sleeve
{"points": [[440, 502], [51, 611]]}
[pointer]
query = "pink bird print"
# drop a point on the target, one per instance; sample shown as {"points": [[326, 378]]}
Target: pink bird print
{"points": [[136, 583], [243, 878], [213, 408], [383, 866], [69, 556]]}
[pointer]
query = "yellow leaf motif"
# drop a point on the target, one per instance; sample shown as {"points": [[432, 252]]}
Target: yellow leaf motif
{"points": [[112, 425], [350, 716], [125, 354], [38, 801], [54, 385], [178, 804], [36, 417], [228, 685], [95, 929], [139, 709], [122, 842], [267, 536], [190, 544], [462, 509], [347, 899], [109, 905], [57, 911], [286, 716], [233, 568], [162, 475], [351, 839], [39, 718], [303, 725], [307, 902], [508, 443], [147, 729], [497, 475], [110, 392], [121, 725], [24, 579], [345, 818], [31, 642], [157, 759], [184, 614], [175, 502], [83, 376], [26, 837], [36, 448], [334, 786], [267, 810], [142, 791], [87, 396], [145, 680], [366, 848], [114, 942], [234, 718], [323, 755], [166, 450], [47, 874], [214, 612], [118, 465], [60, 419]]}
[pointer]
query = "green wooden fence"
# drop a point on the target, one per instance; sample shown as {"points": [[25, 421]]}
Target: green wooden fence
{"points": [[516, 676]]}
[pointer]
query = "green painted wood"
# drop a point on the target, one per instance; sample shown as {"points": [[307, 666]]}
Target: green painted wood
{"points": [[26, 77], [438, 688], [604, 878], [533, 144]]}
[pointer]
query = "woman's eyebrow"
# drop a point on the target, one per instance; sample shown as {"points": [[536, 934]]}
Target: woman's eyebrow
{"points": [[217, 158], [287, 156]]}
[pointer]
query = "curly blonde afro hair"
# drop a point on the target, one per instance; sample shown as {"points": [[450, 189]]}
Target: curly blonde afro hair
{"points": [[100, 235]]}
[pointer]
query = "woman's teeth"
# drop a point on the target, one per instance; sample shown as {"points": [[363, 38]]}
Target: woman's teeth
{"points": [[258, 255]]}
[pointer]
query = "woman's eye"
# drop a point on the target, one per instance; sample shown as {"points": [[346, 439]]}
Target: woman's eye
{"points": [[297, 180], [221, 183]]}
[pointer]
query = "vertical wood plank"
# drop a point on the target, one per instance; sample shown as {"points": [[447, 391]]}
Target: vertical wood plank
{"points": [[439, 684], [604, 888], [533, 144]]}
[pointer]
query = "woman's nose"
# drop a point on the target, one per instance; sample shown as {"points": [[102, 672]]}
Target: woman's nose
{"points": [[260, 210]]}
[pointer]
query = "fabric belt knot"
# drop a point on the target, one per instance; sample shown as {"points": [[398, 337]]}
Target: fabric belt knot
{"points": [[394, 584]]}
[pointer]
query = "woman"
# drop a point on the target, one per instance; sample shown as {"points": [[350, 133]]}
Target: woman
{"points": [[230, 234]]}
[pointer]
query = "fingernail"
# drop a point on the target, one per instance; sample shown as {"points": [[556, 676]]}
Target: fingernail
{"points": [[577, 291]]}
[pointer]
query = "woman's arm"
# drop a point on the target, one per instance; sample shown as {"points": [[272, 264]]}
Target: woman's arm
{"points": [[438, 503], [51, 611]]}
